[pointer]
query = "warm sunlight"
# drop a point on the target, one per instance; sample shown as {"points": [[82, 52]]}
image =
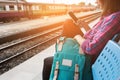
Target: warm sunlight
{"points": [[64, 1]]}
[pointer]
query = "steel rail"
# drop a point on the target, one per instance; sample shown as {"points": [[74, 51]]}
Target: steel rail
{"points": [[36, 35]]}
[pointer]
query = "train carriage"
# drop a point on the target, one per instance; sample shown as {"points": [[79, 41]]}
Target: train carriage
{"points": [[56, 9], [43, 9], [11, 10]]}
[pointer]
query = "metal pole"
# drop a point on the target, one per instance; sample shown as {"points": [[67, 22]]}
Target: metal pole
{"points": [[17, 5]]}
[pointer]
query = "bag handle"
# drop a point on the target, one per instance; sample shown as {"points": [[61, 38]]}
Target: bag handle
{"points": [[76, 75], [56, 71]]}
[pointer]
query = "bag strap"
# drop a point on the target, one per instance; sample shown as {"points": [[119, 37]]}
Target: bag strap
{"points": [[76, 75], [60, 43], [56, 71]]}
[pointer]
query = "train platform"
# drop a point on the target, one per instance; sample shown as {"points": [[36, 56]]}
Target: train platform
{"points": [[8, 29], [31, 69]]}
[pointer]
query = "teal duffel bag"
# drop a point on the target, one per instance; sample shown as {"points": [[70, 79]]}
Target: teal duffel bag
{"points": [[68, 63]]}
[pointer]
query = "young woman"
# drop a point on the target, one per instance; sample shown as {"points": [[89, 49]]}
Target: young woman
{"points": [[95, 39]]}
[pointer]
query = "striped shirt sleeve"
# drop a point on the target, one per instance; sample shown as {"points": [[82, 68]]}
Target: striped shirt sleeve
{"points": [[96, 39]]}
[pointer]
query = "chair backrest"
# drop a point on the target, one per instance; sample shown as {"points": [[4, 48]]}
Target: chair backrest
{"points": [[107, 65]]}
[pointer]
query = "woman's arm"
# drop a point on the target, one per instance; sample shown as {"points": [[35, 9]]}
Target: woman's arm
{"points": [[94, 42], [80, 40], [103, 32]]}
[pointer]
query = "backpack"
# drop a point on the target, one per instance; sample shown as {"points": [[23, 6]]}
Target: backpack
{"points": [[68, 63]]}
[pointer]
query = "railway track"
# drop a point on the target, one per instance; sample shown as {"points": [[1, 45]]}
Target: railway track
{"points": [[17, 51]]}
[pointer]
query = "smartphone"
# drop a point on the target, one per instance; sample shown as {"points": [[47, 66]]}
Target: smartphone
{"points": [[75, 19], [72, 15]]}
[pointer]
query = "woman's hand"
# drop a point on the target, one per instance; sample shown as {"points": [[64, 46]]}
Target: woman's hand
{"points": [[83, 24]]}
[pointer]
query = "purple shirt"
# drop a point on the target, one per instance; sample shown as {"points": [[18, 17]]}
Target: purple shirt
{"points": [[98, 36]]}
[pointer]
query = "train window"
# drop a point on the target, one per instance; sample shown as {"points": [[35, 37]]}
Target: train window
{"points": [[37, 7], [22, 7], [2, 8], [33, 7], [11, 7], [40, 7], [49, 7], [19, 8]]}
